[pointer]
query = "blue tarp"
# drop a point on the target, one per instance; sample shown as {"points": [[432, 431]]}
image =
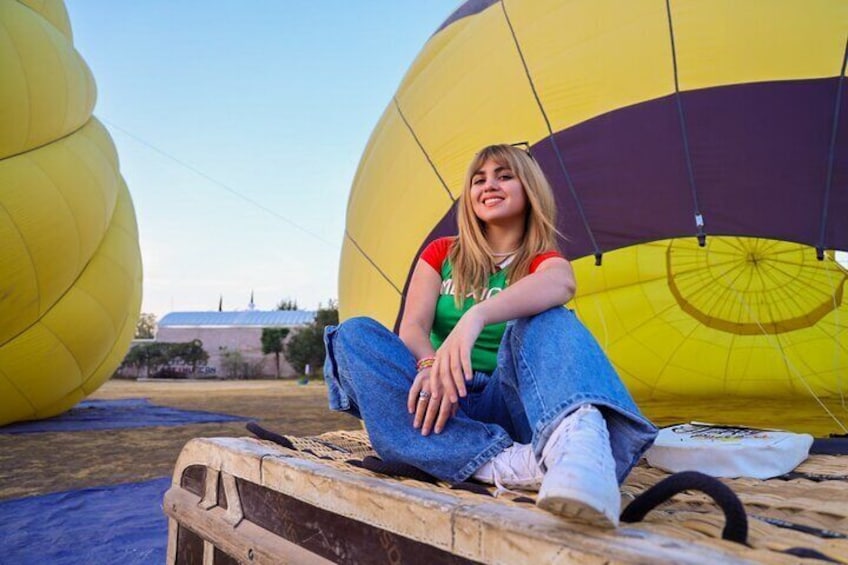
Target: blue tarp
{"points": [[119, 524], [113, 414]]}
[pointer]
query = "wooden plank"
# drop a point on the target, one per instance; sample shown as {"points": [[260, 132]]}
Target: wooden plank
{"points": [[473, 527], [481, 531], [246, 542], [336, 537]]}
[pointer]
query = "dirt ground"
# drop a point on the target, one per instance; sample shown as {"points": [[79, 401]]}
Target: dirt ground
{"points": [[50, 462], [41, 463]]}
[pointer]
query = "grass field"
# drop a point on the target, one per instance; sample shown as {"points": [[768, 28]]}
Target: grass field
{"points": [[41, 463], [50, 462]]}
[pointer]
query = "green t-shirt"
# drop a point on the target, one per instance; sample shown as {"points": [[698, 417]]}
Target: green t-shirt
{"points": [[484, 355]]}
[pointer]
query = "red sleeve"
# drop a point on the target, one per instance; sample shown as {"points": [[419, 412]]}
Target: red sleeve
{"points": [[436, 252], [541, 257]]}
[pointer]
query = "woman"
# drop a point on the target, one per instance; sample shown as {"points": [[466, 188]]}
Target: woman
{"points": [[490, 377]]}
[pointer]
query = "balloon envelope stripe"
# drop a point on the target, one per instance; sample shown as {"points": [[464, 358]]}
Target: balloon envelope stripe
{"points": [[467, 9], [759, 147]]}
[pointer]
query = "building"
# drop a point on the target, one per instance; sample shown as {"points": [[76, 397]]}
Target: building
{"points": [[233, 336]]}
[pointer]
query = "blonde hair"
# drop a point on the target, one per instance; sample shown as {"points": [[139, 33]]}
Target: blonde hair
{"points": [[471, 256]]}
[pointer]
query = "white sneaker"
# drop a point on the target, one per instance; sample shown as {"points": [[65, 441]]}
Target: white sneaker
{"points": [[513, 468], [580, 481]]}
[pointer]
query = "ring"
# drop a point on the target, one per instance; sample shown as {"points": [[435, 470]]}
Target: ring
{"points": [[423, 395]]}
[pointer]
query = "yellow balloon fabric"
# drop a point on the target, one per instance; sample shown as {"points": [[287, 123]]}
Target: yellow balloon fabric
{"points": [[658, 124], [70, 267]]}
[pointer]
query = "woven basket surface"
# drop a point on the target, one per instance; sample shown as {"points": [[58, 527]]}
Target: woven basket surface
{"points": [[786, 516]]}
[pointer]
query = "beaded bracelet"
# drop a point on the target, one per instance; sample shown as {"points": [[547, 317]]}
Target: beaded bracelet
{"points": [[424, 363]]}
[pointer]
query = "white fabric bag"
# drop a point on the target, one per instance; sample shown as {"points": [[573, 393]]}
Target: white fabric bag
{"points": [[728, 451]]}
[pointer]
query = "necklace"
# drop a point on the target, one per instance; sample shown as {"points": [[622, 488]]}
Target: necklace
{"points": [[506, 254]]}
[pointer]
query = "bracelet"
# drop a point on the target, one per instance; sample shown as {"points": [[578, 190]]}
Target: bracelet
{"points": [[424, 363]]}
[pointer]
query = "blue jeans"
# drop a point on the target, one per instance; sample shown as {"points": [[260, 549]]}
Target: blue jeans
{"points": [[548, 365]]}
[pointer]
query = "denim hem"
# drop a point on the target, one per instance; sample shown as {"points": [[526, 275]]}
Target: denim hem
{"points": [[549, 421], [336, 396], [484, 456]]}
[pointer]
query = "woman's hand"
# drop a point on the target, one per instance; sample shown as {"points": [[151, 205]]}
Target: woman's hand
{"points": [[452, 367], [421, 403]]}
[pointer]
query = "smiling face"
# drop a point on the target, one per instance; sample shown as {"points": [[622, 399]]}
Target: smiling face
{"points": [[496, 194]]}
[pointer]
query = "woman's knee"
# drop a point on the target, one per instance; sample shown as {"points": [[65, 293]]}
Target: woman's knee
{"points": [[360, 329], [558, 319]]}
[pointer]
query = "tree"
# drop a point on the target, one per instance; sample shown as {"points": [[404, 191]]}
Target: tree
{"points": [[272, 342], [136, 358], [190, 352], [235, 366], [148, 355], [145, 327], [306, 346], [328, 316], [232, 363], [287, 304], [158, 356]]}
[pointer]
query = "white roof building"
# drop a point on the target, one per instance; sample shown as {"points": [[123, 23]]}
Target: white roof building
{"points": [[223, 333]]}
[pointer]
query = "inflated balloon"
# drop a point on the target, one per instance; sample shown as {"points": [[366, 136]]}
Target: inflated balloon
{"points": [[699, 154], [70, 266]]}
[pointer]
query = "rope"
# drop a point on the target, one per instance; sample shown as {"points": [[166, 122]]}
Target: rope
{"points": [[268, 435], [839, 384], [736, 521], [397, 469], [218, 183], [699, 218], [596, 250], [831, 155], [789, 365]]}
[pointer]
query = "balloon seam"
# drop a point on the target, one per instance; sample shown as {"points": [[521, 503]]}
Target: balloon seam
{"points": [[557, 152], [699, 219], [373, 264], [421, 147], [831, 155]]}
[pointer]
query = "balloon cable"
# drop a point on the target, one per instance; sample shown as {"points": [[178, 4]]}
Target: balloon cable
{"points": [[218, 183], [831, 154], [839, 382], [596, 250], [699, 218], [789, 365]]}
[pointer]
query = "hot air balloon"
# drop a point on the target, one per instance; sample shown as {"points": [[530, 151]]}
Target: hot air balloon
{"points": [[70, 266], [699, 154]]}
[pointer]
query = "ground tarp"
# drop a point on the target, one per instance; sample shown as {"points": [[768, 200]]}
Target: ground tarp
{"points": [[114, 414], [117, 524]]}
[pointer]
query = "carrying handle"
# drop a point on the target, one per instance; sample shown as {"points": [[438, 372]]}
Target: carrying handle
{"points": [[735, 519]]}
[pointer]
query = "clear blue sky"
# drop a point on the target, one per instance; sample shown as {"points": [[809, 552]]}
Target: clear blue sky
{"points": [[273, 99]]}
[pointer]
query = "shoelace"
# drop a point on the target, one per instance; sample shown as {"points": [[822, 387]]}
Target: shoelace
{"points": [[514, 456]]}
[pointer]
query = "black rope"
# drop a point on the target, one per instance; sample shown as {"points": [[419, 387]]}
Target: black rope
{"points": [[597, 251], [397, 469], [268, 435], [809, 553], [468, 486], [699, 218], [736, 521], [818, 532], [814, 477], [831, 155]]}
